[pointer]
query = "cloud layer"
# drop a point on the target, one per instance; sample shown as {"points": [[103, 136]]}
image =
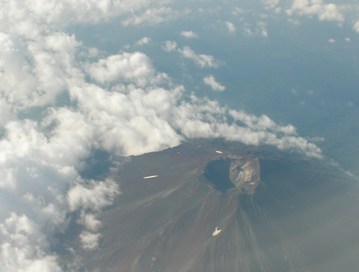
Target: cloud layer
{"points": [[60, 100]]}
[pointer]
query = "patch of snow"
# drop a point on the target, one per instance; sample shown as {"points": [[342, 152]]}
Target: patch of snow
{"points": [[216, 232], [150, 177]]}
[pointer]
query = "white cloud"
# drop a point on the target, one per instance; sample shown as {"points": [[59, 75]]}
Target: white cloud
{"points": [[92, 195], [356, 26], [331, 41], [34, 73], [204, 118], [37, 168], [213, 83], [324, 12], [6, 112], [31, 18], [230, 27], [189, 34], [155, 118], [271, 3], [202, 60], [140, 125], [126, 66], [23, 246], [143, 41], [40, 161], [262, 29], [89, 241], [93, 52], [258, 30], [151, 16], [90, 221], [169, 46], [118, 103]]}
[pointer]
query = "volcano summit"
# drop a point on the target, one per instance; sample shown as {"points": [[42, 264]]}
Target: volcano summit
{"points": [[234, 171], [239, 209]]}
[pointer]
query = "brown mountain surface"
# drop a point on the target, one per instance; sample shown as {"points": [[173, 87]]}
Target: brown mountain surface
{"points": [[216, 207]]}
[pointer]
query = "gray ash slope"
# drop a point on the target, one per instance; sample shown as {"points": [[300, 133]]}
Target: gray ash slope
{"points": [[276, 213]]}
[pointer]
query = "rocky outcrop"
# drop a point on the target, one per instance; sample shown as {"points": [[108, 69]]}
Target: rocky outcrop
{"points": [[234, 172], [244, 173]]}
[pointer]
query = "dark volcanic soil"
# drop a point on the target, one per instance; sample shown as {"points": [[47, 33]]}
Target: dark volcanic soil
{"points": [[301, 217]]}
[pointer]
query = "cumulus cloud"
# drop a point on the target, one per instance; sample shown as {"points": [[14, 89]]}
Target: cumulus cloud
{"points": [[89, 240], [35, 73], [151, 16], [143, 41], [271, 3], [202, 60], [90, 221], [324, 12], [38, 168], [169, 46], [156, 118], [31, 19], [126, 66], [230, 27], [6, 112], [24, 247], [356, 26], [92, 195], [259, 30], [189, 34], [213, 83], [140, 125], [206, 119]]}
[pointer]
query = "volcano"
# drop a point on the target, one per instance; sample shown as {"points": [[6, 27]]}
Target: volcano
{"points": [[221, 207]]}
